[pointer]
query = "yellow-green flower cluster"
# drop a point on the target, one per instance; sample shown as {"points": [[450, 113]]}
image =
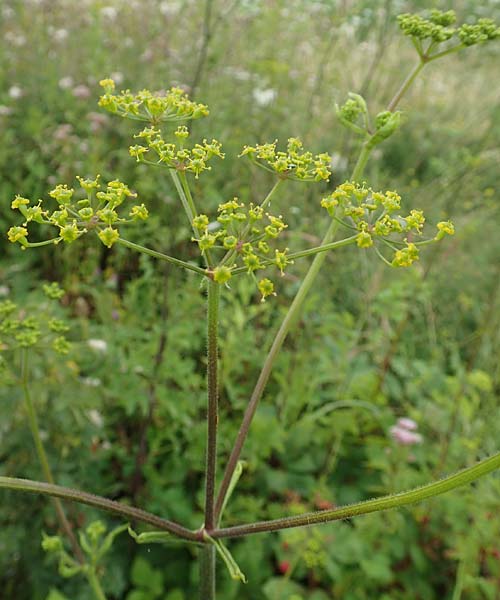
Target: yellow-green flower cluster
{"points": [[376, 215], [20, 328], [295, 163], [172, 106], [245, 236], [158, 151], [438, 28], [94, 207]]}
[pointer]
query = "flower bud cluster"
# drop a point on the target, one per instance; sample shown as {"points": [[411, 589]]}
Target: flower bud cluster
{"points": [[295, 163], [20, 328], [375, 215], [174, 105], [95, 541], [98, 211], [246, 234], [192, 160], [438, 28], [353, 114]]}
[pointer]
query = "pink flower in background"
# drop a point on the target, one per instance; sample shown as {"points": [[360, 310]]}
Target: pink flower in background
{"points": [[404, 432], [407, 423], [81, 91]]}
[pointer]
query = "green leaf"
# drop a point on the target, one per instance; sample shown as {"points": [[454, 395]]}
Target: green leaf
{"points": [[109, 539], [55, 595], [280, 588], [158, 537], [232, 566], [144, 576], [240, 465]]}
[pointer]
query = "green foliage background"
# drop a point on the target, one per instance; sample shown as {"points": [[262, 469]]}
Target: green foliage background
{"points": [[373, 344]]}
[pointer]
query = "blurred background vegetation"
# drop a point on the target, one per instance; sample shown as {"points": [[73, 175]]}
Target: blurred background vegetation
{"points": [[125, 418]]}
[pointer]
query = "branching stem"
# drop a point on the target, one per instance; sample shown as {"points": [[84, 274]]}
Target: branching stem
{"points": [[123, 510], [398, 500]]}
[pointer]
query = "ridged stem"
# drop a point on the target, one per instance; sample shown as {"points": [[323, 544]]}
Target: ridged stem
{"points": [[212, 401], [123, 510], [398, 500], [207, 572]]}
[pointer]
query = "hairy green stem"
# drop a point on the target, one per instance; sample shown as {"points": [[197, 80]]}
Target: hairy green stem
{"points": [[309, 252], [128, 512], [161, 256], [42, 455], [184, 200], [207, 572], [182, 187], [425, 492], [405, 85], [446, 52], [94, 584], [212, 408], [364, 155]]}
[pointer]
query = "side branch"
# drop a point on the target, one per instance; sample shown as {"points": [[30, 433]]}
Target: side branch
{"points": [[128, 512], [430, 490]]}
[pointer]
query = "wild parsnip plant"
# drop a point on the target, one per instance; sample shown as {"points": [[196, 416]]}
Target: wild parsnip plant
{"points": [[238, 240]]}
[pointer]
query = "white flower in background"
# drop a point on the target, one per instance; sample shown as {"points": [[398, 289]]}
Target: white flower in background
{"points": [[5, 111], [15, 92], [95, 417], [98, 345], [117, 77], [66, 82], [91, 381], [81, 91], [264, 97], [60, 35], [15, 39], [239, 74], [4, 291], [7, 12], [168, 8], [109, 12], [338, 162]]}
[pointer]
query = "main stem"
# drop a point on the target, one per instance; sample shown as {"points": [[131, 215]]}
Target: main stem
{"points": [[212, 408], [207, 572], [42, 456], [207, 554]]}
